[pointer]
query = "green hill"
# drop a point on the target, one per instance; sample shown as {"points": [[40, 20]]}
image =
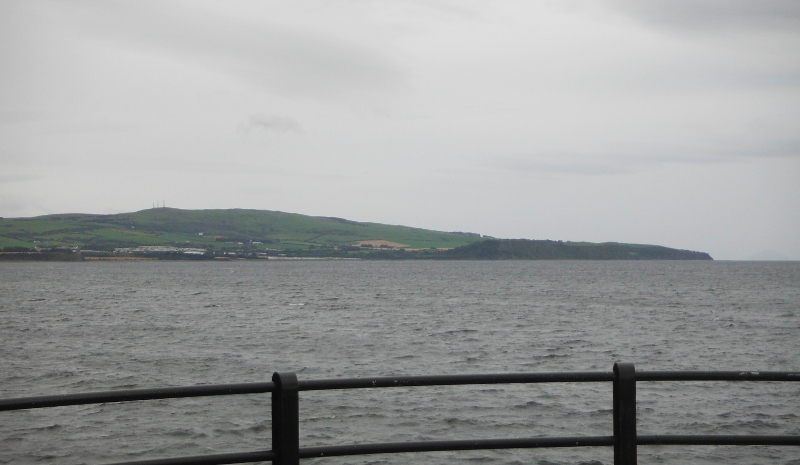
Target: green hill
{"points": [[197, 234], [215, 229]]}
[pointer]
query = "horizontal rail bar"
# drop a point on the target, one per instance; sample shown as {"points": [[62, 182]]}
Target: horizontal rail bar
{"points": [[384, 382], [438, 446], [717, 440], [449, 380], [717, 376], [218, 459], [135, 394]]}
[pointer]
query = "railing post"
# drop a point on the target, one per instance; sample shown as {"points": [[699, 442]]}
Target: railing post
{"points": [[285, 420], [624, 414]]}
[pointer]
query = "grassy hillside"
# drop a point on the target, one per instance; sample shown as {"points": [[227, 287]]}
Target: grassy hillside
{"points": [[220, 229], [257, 233]]}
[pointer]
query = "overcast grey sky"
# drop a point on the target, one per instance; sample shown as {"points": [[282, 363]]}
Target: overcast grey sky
{"points": [[671, 122]]}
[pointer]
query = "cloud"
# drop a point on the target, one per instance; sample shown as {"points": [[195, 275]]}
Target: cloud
{"points": [[560, 164], [8, 118], [273, 57], [603, 164], [715, 15], [14, 178], [278, 124]]}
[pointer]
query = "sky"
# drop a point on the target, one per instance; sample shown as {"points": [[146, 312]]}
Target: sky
{"points": [[670, 122]]}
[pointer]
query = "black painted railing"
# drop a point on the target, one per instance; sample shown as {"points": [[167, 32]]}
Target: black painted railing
{"points": [[285, 387]]}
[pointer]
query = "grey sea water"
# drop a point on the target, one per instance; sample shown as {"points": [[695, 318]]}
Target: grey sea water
{"points": [[77, 327]]}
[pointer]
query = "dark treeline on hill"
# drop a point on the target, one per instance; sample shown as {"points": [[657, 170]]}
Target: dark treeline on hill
{"points": [[524, 249]]}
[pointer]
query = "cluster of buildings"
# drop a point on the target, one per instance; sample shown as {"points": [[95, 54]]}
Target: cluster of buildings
{"points": [[159, 249]]}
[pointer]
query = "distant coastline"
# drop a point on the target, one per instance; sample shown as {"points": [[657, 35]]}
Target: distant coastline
{"points": [[174, 234]]}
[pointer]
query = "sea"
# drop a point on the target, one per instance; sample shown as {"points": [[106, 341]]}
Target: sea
{"points": [[96, 326]]}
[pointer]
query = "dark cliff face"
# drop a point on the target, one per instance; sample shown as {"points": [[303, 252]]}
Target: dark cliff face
{"points": [[523, 249]]}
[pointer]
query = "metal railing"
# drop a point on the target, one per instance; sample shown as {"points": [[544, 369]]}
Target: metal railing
{"points": [[285, 387]]}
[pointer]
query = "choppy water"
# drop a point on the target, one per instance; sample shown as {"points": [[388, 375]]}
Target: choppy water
{"points": [[76, 327]]}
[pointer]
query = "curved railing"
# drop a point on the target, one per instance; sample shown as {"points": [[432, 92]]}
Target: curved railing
{"points": [[286, 448]]}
